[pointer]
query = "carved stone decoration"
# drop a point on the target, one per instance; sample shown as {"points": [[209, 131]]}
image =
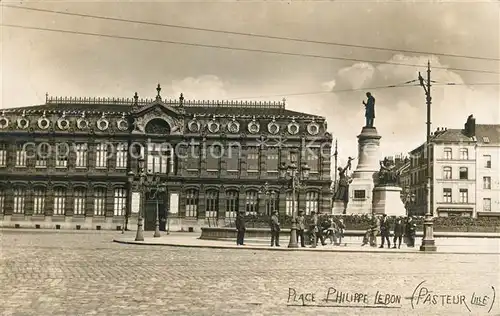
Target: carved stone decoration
{"points": [[82, 123], [102, 123], [122, 124], [157, 126], [253, 126], [4, 122], [293, 127], [273, 127], [176, 125], [43, 122], [63, 123], [194, 126], [388, 175], [213, 126], [233, 126], [22, 122], [313, 128]]}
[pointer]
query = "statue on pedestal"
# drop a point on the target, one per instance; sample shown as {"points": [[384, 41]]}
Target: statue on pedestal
{"points": [[369, 109], [388, 175], [342, 193]]}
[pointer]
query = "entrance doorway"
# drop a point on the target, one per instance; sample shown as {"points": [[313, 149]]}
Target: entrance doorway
{"points": [[150, 212]]}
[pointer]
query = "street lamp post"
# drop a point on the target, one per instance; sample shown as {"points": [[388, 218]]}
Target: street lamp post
{"points": [[408, 199], [155, 186], [290, 172], [139, 236], [265, 191]]}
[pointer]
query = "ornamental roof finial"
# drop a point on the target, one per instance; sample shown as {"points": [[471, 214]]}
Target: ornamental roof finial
{"points": [[181, 100], [158, 89], [136, 98]]}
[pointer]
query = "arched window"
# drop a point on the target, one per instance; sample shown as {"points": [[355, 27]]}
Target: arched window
{"points": [[39, 200], [59, 200], [192, 203], [290, 207], [99, 201], [19, 200], [447, 153], [312, 202], [464, 154], [464, 173], [212, 204], [447, 172], [252, 202], [120, 202], [80, 196], [232, 202], [272, 202]]}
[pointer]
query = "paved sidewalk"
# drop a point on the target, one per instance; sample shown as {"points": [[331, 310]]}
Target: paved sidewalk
{"points": [[445, 245]]}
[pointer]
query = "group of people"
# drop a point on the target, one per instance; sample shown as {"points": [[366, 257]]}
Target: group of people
{"points": [[402, 228]]}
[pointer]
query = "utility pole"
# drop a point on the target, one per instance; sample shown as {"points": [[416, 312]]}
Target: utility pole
{"points": [[335, 154], [428, 243]]}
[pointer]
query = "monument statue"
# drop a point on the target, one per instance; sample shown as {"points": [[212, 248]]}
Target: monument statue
{"points": [[369, 109], [342, 193], [388, 175]]}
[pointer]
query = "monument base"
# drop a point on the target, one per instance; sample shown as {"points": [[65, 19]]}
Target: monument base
{"points": [[387, 200], [338, 208]]}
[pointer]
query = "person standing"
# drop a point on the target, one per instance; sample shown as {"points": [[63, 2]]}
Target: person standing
{"points": [[300, 228], [240, 228], [398, 233], [369, 109], [341, 229], [385, 231], [275, 230], [411, 229]]}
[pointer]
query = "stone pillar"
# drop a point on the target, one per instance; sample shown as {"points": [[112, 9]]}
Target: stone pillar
{"points": [[360, 190]]}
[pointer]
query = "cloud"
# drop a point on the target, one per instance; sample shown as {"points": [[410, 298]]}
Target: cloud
{"points": [[206, 87]]}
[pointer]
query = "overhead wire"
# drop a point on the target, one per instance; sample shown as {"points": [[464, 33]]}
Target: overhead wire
{"points": [[282, 38], [238, 48]]}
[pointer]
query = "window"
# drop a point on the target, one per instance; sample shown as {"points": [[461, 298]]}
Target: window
{"points": [[272, 202], [213, 154], [272, 159], [80, 195], [359, 194], [253, 159], [212, 205], [20, 156], [192, 156], [62, 153], [158, 157], [290, 206], [447, 195], [464, 196], [486, 205], [233, 158], [447, 154], [101, 156], [3, 155], [121, 156], [99, 201], [312, 158], [59, 201], [232, 203], [312, 202], [39, 201], [487, 161], [19, 199], [192, 203], [120, 202], [464, 173], [252, 203], [2, 201], [464, 154], [81, 155], [487, 183], [42, 154], [447, 173]]}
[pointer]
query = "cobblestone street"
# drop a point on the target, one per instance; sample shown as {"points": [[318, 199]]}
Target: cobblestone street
{"points": [[85, 273]]}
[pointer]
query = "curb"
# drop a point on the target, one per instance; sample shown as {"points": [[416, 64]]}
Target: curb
{"points": [[395, 251]]}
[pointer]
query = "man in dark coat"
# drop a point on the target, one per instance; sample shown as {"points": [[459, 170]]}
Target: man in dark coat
{"points": [[301, 225], [369, 109], [410, 231], [240, 228], [385, 231], [275, 229], [398, 233]]}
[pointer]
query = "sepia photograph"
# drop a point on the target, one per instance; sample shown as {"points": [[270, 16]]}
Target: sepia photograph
{"points": [[249, 157]]}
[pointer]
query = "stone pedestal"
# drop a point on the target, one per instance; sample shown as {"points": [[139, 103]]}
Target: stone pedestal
{"points": [[338, 208], [361, 187], [387, 200]]}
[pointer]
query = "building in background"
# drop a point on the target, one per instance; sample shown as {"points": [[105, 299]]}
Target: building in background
{"points": [[464, 172], [221, 155]]}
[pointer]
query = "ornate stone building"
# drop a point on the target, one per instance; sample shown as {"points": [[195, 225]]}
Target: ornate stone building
{"points": [[67, 163]]}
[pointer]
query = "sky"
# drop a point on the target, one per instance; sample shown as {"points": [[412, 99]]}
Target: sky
{"points": [[35, 62]]}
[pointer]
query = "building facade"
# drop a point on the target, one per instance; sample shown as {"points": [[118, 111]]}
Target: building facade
{"points": [[69, 162], [463, 179]]}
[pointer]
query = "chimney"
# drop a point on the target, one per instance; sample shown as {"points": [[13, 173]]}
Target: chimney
{"points": [[470, 126]]}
